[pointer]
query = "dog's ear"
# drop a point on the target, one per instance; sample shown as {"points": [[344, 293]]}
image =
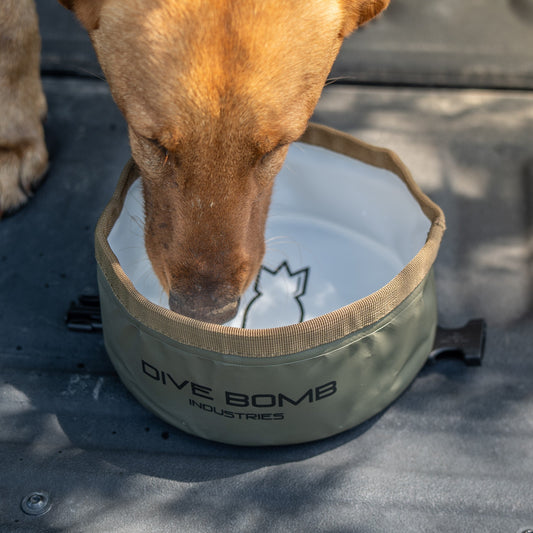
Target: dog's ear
{"points": [[358, 12], [87, 11]]}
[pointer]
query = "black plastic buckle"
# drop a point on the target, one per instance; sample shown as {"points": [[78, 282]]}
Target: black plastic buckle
{"points": [[466, 343], [84, 315]]}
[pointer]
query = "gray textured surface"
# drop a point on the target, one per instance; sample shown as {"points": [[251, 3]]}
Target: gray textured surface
{"points": [[453, 454], [483, 43]]}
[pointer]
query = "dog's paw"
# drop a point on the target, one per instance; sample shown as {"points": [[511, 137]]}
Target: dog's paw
{"points": [[22, 167]]}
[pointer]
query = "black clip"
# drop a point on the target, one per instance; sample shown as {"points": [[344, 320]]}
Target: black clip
{"points": [[85, 314], [466, 343]]}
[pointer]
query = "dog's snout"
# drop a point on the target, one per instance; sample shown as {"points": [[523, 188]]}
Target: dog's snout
{"points": [[203, 306], [209, 288]]}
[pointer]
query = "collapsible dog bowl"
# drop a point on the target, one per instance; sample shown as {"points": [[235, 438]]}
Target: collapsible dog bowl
{"points": [[339, 321]]}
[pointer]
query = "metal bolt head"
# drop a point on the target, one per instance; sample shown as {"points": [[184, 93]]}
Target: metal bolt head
{"points": [[36, 503]]}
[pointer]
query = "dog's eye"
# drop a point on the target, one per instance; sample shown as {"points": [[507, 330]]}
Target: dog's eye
{"points": [[269, 155], [159, 147], [155, 143]]}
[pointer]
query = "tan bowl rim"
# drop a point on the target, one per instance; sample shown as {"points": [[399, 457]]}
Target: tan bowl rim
{"points": [[294, 338]]}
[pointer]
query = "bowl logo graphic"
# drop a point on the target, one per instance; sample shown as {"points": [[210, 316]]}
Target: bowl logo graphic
{"points": [[278, 293]]}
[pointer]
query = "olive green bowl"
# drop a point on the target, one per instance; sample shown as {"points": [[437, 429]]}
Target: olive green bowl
{"points": [[356, 326]]}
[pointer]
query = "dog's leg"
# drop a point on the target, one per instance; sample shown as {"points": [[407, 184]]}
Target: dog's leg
{"points": [[23, 154]]}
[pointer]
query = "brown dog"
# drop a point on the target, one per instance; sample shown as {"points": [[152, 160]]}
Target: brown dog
{"points": [[214, 92]]}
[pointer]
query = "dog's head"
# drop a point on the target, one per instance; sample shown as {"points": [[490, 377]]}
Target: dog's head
{"points": [[214, 92]]}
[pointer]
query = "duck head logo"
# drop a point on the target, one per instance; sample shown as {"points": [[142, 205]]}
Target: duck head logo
{"points": [[278, 297]]}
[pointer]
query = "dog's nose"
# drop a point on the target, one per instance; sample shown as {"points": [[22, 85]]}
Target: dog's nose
{"points": [[203, 307]]}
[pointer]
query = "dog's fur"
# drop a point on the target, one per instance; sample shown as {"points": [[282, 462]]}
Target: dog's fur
{"points": [[214, 92], [23, 155]]}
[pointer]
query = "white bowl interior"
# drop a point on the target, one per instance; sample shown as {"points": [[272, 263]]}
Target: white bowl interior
{"points": [[338, 230]]}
